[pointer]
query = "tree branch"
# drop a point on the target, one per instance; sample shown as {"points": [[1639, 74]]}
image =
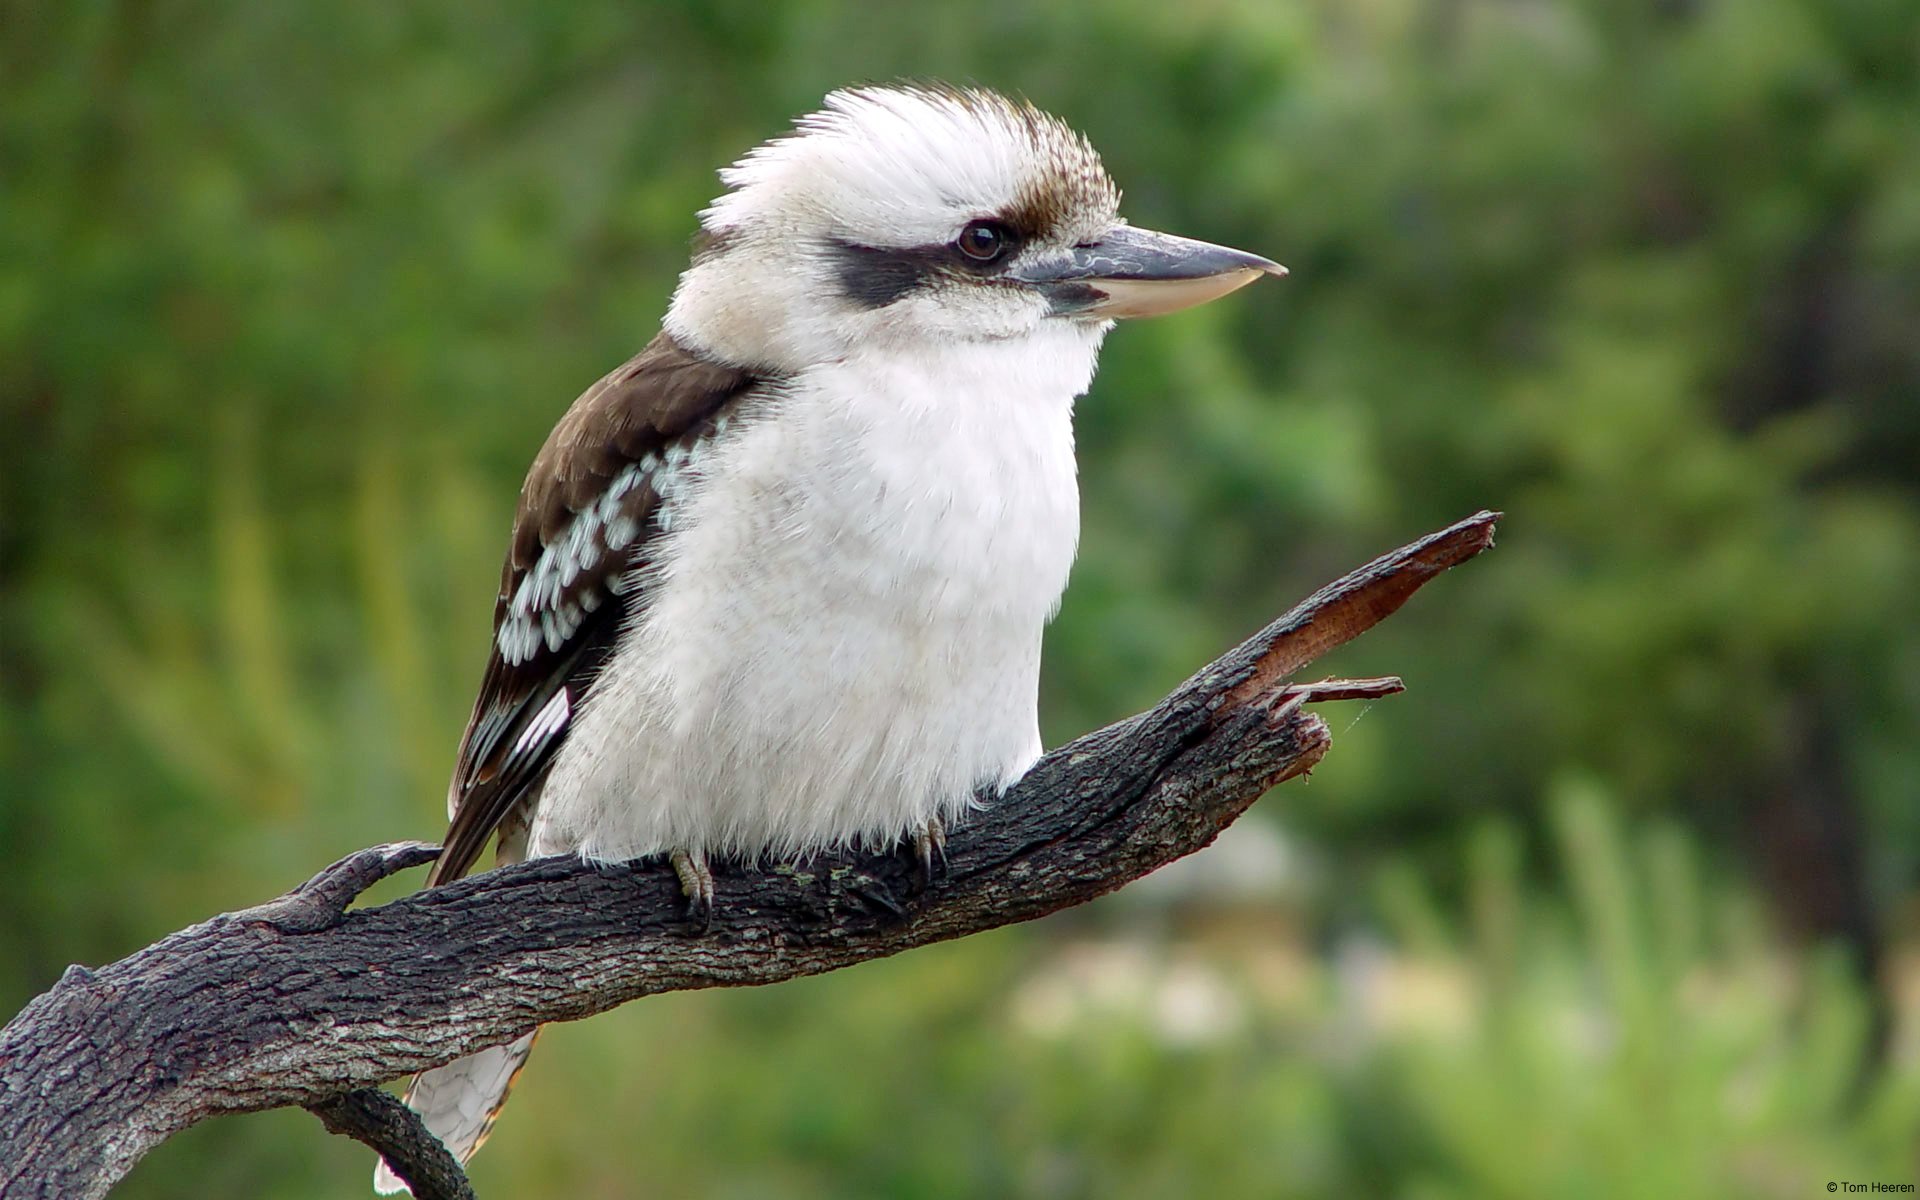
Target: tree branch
{"points": [[300, 1001], [379, 1119]]}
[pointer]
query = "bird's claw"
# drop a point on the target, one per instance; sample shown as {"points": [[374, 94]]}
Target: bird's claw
{"points": [[696, 884], [929, 844], [877, 895]]}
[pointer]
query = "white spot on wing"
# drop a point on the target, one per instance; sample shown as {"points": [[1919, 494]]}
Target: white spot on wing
{"points": [[541, 612], [545, 724], [621, 531]]}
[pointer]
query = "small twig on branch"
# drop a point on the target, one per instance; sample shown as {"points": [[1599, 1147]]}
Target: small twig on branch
{"points": [[1347, 689], [321, 902], [303, 1001]]}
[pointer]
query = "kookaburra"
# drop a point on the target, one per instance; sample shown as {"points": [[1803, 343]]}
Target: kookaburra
{"points": [[778, 582]]}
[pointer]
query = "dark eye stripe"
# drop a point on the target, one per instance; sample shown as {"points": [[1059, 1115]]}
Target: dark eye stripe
{"points": [[873, 277], [876, 276]]}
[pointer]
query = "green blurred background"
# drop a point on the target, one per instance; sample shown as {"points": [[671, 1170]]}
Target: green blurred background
{"points": [[1622, 898]]}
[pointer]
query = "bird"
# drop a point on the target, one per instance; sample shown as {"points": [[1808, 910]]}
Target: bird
{"points": [[777, 583]]}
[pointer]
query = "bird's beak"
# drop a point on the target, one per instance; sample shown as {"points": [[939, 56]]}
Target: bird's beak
{"points": [[1138, 273]]}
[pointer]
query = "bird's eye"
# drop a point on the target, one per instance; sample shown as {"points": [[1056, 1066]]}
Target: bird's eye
{"points": [[985, 241]]}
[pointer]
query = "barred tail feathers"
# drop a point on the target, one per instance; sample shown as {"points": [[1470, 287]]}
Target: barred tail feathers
{"points": [[460, 1102]]}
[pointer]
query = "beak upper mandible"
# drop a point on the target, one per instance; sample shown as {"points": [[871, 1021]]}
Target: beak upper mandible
{"points": [[1139, 273]]}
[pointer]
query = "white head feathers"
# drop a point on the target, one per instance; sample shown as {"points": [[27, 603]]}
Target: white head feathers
{"points": [[912, 164], [883, 169]]}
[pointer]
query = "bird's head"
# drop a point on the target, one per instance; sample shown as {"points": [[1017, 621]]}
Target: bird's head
{"points": [[914, 215]]}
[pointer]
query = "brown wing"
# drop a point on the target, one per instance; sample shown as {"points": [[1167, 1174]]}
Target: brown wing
{"points": [[587, 517]]}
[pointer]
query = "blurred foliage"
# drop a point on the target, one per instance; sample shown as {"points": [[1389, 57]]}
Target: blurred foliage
{"points": [[288, 296]]}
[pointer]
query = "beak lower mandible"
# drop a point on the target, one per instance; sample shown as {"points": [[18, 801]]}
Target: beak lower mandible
{"points": [[1138, 273]]}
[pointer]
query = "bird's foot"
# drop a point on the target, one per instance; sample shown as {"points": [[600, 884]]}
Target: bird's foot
{"points": [[876, 895], [696, 884], [929, 843]]}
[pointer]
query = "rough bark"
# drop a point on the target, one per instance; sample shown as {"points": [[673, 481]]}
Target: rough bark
{"points": [[300, 1001]]}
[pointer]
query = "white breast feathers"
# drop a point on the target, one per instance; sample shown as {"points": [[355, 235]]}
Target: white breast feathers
{"points": [[839, 636]]}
